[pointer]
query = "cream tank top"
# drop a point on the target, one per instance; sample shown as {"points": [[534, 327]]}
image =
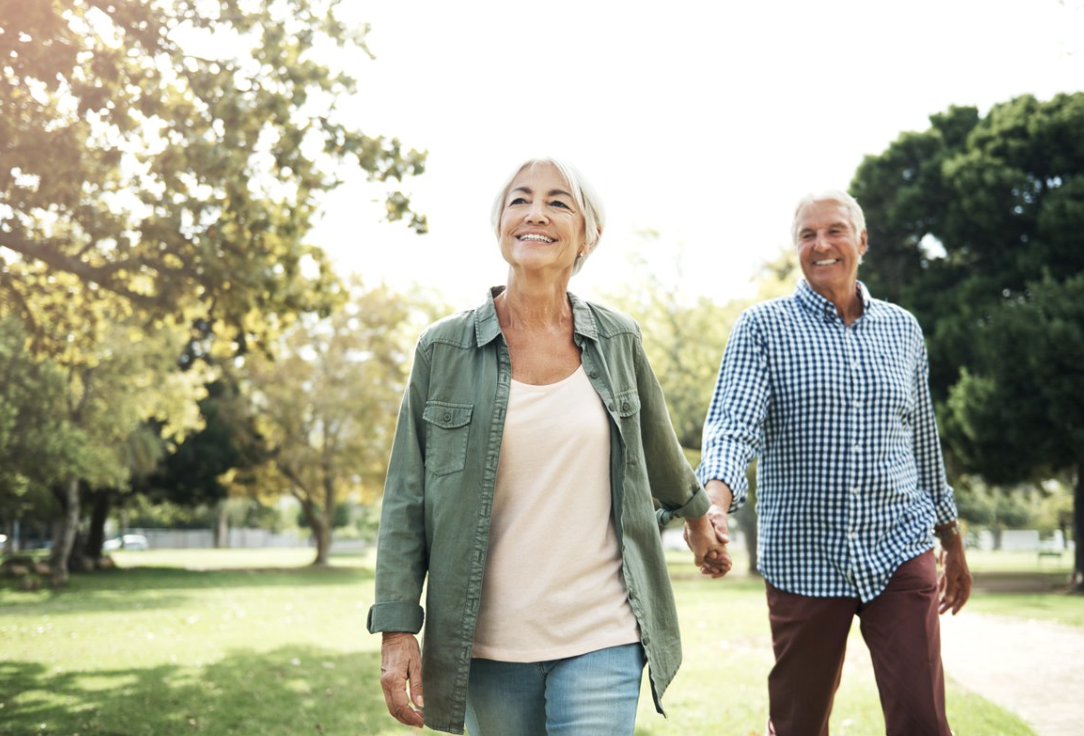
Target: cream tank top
{"points": [[553, 585]]}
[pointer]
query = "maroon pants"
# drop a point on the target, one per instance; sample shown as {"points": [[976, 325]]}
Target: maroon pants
{"points": [[901, 629]]}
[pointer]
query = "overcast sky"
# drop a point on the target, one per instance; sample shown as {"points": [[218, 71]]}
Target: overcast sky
{"points": [[701, 121]]}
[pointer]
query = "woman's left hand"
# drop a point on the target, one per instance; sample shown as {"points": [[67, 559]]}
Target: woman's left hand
{"points": [[707, 538]]}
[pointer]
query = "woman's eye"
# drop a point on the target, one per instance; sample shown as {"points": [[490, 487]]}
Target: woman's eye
{"points": [[518, 200], [559, 203]]}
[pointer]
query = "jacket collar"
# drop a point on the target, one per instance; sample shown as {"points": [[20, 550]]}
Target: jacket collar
{"points": [[487, 327]]}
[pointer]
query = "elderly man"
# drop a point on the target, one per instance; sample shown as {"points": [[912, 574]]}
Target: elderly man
{"points": [[829, 388]]}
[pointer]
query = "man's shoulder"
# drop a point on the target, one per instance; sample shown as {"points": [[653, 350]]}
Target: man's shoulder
{"points": [[771, 310], [894, 312]]}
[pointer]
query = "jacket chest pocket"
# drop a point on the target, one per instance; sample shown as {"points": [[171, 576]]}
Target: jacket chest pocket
{"points": [[626, 408], [447, 428]]}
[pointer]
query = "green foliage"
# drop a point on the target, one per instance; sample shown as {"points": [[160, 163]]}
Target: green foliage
{"points": [[323, 408], [166, 157], [975, 226]]}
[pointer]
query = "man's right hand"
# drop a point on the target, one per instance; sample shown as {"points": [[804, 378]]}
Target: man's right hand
{"points": [[400, 665]]}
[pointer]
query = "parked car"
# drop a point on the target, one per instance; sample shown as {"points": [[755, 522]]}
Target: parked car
{"points": [[127, 542]]}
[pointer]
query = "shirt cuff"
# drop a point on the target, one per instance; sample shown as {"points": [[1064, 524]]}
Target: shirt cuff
{"points": [[395, 616]]}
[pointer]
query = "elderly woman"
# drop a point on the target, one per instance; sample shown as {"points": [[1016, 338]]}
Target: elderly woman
{"points": [[532, 438]]}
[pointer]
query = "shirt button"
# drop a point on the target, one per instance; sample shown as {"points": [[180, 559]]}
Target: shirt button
{"points": [[852, 536], [858, 448], [854, 491], [858, 405], [854, 364]]}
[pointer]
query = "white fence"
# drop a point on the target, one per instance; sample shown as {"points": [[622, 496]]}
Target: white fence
{"points": [[237, 539]]}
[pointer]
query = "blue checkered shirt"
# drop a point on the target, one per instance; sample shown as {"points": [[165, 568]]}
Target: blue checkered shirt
{"points": [[850, 480]]}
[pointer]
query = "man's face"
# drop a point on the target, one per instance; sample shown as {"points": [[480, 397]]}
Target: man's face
{"points": [[829, 249]]}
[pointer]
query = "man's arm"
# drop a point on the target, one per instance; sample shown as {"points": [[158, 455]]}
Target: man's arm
{"points": [[955, 581], [739, 406]]}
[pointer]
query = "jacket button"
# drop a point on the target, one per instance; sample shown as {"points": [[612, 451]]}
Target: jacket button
{"points": [[624, 406], [593, 374], [447, 417], [610, 407]]}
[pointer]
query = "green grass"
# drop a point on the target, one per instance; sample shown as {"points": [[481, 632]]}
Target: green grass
{"points": [[256, 642], [1026, 586]]}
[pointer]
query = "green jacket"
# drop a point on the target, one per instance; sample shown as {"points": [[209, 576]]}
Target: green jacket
{"points": [[439, 492]]}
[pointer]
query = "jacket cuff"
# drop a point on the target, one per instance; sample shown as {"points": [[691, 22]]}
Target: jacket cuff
{"points": [[696, 507], [395, 616]]}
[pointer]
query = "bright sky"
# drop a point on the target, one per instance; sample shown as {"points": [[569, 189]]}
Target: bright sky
{"points": [[702, 121]]}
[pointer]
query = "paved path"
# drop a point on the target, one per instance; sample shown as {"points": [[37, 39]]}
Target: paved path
{"points": [[1033, 669]]}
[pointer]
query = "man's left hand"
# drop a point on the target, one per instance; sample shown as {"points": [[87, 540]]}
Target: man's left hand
{"points": [[954, 583]]}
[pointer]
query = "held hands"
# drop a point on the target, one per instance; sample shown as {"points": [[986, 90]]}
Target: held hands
{"points": [[400, 665], [708, 537]]}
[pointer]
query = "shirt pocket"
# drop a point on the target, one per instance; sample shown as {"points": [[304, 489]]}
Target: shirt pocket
{"points": [[626, 409], [447, 428]]}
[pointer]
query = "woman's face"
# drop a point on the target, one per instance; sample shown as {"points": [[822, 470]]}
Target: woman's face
{"points": [[541, 226]]}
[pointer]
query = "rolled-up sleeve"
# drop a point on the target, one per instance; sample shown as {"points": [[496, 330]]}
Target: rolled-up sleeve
{"points": [[927, 444], [673, 482], [402, 554]]}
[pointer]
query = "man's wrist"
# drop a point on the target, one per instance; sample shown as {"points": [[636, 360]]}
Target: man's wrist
{"points": [[948, 533]]}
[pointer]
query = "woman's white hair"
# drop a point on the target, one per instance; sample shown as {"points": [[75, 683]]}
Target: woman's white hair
{"points": [[846, 201], [594, 217]]}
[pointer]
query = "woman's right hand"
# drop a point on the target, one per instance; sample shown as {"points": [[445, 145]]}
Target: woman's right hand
{"points": [[400, 665]]}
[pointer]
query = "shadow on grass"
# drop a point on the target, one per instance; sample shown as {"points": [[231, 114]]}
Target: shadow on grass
{"points": [[291, 690]]}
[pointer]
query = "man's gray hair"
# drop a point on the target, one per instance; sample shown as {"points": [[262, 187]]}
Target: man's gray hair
{"points": [[587, 200], [849, 203]]}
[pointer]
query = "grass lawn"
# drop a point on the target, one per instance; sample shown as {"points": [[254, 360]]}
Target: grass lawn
{"points": [[255, 642]]}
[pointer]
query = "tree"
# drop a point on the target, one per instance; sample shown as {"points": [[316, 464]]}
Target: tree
{"points": [[324, 407], [166, 157], [974, 226], [197, 471], [38, 447], [131, 380]]}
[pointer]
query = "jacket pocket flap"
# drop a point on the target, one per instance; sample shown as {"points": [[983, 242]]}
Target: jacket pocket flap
{"points": [[627, 403], [447, 416]]}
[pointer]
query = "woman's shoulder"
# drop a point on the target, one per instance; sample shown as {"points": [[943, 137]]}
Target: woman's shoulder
{"points": [[456, 329], [610, 322]]}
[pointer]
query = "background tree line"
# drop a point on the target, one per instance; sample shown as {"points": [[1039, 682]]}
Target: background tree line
{"points": [[169, 332]]}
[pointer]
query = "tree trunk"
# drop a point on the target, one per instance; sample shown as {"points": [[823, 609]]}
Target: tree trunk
{"points": [[1076, 580], [747, 521], [99, 513], [222, 525], [11, 531], [64, 539]]}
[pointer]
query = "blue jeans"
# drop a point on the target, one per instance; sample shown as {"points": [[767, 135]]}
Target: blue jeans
{"points": [[594, 693]]}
